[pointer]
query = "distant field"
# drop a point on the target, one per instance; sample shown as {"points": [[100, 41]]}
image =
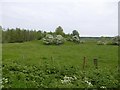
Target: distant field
{"points": [[32, 64]]}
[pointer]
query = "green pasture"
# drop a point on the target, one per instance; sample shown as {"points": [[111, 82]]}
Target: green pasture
{"points": [[33, 64]]}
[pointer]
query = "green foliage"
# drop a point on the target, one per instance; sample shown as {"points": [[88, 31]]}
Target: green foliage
{"points": [[76, 39], [49, 39], [57, 66], [75, 32], [101, 43], [108, 40], [58, 39], [0, 34], [116, 40], [59, 31], [49, 75], [20, 35]]}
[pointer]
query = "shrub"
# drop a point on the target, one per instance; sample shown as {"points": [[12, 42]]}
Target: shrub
{"points": [[48, 39], [69, 38], [116, 40], [109, 43], [76, 39], [58, 40], [82, 42], [101, 43]]}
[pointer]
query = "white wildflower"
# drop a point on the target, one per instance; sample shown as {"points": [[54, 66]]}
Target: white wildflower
{"points": [[86, 81], [0, 81], [89, 83], [3, 78], [68, 79], [75, 78], [102, 87], [65, 78], [62, 81], [2, 86], [6, 80]]}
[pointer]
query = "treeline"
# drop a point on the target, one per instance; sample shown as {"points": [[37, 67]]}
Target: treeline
{"points": [[21, 35]]}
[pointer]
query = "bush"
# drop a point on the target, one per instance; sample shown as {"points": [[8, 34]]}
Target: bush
{"points": [[69, 39], [101, 43], [76, 39], [82, 42], [109, 43], [58, 40], [48, 39], [116, 40]]}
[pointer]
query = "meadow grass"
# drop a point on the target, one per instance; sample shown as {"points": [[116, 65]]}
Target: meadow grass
{"points": [[69, 53], [35, 53]]}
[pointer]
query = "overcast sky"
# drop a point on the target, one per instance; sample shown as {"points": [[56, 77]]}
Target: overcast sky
{"points": [[89, 17]]}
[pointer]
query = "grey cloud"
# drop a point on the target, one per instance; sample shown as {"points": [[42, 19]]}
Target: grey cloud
{"points": [[89, 18]]}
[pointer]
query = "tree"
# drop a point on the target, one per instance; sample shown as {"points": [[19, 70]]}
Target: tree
{"points": [[75, 32], [59, 31], [0, 34], [76, 39], [116, 40], [75, 36], [39, 35], [19, 35]]}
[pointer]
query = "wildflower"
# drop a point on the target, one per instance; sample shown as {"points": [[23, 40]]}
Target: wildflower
{"points": [[75, 78], [65, 78], [68, 79], [102, 87], [65, 81], [62, 81], [0, 81], [5, 80], [89, 83], [2, 86]]}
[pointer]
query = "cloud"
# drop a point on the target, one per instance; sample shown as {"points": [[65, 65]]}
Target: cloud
{"points": [[59, 1], [89, 18]]}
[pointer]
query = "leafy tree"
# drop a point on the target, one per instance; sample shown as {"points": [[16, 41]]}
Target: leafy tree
{"points": [[116, 40], [75, 32], [39, 35], [76, 39], [0, 34], [59, 31], [75, 36], [20, 35]]}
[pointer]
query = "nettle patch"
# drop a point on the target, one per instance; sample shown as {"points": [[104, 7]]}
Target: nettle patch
{"points": [[16, 75]]}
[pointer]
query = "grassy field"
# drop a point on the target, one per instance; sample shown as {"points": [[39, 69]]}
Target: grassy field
{"points": [[33, 65]]}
